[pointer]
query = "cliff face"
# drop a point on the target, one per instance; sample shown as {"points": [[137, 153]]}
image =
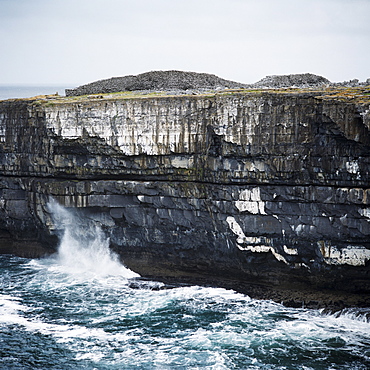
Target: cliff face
{"points": [[264, 187]]}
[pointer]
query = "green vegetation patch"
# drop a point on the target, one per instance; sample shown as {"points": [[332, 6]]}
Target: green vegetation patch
{"points": [[356, 95]]}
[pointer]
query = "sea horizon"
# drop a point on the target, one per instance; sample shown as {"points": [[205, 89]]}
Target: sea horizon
{"points": [[17, 91]]}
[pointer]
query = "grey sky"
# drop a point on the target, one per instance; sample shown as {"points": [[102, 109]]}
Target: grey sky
{"points": [[78, 41]]}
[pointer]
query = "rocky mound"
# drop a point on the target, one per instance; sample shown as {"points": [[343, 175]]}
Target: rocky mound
{"points": [[295, 80], [155, 80], [179, 81]]}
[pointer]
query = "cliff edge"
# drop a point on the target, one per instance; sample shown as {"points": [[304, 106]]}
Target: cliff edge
{"points": [[265, 191]]}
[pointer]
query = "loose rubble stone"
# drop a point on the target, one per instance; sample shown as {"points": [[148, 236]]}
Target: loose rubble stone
{"points": [[295, 80], [155, 80], [176, 82]]}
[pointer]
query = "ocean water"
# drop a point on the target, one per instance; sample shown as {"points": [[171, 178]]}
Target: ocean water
{"points": [[82, 309], [18, 91]]}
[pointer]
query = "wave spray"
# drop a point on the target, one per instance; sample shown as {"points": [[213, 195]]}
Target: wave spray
{"points": [[84, 248]]}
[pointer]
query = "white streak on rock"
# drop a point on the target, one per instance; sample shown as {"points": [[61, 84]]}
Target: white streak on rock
{"points": [[236, 229], [364, 212], [243, 240], [290, 251], [299, 229], [352, 255], [352, 167], [250, 201]]}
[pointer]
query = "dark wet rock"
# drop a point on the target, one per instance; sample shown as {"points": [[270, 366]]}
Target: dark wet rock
{"points": [[264, 192]]}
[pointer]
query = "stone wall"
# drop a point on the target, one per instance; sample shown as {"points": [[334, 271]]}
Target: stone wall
{"points": [[267, 188]]}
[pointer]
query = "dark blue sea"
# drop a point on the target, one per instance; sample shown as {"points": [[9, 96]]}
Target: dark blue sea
{"points": [[82, 309]]}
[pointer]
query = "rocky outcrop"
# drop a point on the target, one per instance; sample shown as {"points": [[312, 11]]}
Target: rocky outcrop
{"points": [[155, 80], [245, 189], [303, 80], [176, 82]]}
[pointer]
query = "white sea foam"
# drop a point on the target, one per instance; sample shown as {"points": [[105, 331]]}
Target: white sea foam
{"points": [[10, 309], [12, 313], [242, 325], [98, 316], [84, 248]]}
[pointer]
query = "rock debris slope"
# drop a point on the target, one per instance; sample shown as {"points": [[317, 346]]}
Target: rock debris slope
{"points": [[297, 80], [177, 81], [155, 80]]}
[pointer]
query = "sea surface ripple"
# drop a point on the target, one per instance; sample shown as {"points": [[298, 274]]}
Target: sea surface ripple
{"points": [[82, 309]]}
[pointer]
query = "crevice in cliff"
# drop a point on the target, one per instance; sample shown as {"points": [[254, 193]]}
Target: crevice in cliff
{"points": [[156, 179]]}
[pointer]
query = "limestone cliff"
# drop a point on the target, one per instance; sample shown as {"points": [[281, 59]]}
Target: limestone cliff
{"points": [[236, 188]]}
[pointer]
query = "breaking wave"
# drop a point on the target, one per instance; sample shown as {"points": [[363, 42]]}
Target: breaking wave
{"points": [[81, 310]]}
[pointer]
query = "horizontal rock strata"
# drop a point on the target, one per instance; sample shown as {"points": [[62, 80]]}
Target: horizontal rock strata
{"points": [[267, 189]]}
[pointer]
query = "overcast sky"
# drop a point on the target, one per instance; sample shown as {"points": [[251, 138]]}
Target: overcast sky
{"points": [[73, 42]]}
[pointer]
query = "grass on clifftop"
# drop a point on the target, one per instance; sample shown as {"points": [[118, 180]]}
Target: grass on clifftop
{"points": [[358, 95]]}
